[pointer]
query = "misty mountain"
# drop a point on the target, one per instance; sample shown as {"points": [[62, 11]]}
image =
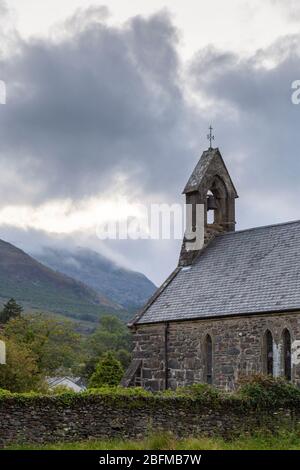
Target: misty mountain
{"points": [[127, 288], [36, 286]]}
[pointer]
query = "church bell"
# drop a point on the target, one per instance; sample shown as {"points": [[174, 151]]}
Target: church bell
{"points": [[211, 203]]}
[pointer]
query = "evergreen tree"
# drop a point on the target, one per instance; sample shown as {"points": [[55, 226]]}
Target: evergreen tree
{"points": [[10, 310], [109, 371]]}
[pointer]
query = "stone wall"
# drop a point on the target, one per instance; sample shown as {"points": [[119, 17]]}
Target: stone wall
{"points": [[174, 352], [48, 419]]}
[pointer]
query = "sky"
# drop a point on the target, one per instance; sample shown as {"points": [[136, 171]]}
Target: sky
{"points": [[108, 106]]}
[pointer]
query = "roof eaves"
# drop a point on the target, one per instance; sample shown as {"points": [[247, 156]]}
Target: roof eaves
{"points": [[228, 315]]}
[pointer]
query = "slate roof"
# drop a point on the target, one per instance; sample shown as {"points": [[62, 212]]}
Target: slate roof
{"points": [[249, 271]]}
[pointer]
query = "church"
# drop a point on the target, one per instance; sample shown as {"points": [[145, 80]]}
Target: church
{"points": [[231, 307]]}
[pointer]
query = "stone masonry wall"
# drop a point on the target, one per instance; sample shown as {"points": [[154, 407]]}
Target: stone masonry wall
{"points": [[46, 419], [237, 344]]}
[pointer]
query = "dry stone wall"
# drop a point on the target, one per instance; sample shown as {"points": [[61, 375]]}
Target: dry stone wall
{"points": [[49, 419]]}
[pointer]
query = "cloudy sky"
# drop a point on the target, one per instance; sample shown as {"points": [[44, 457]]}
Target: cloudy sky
{"points": [[108, 105]]}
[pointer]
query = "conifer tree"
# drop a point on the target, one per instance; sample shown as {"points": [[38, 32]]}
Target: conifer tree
{"points": [[10, 310], [109, 371]]}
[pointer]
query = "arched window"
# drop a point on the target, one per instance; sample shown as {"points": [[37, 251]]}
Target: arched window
{"points": [[287, 355], [268, 353], [208, 359]]}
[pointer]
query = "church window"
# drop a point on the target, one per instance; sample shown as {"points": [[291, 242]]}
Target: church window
{"points": [[268, 352], [208, 359], [287, 356]]}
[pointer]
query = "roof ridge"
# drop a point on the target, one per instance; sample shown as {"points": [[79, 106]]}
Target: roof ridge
{"points": [[250, 229]]}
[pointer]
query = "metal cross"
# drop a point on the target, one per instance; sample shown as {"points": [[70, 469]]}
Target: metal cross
{"points": [[210, 136]]}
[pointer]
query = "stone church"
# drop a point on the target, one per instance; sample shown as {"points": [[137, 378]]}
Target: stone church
{"points": [[231, 307]]}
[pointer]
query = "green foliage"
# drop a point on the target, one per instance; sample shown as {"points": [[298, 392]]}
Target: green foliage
{"points": [[59, 390], [200, 392], [20, 373], [109, 371], [120, 393], [10, 310], [124, 356], [56, 349], [252, 393], [4, 392], [52, 341], [267, 391], [111, 335]]}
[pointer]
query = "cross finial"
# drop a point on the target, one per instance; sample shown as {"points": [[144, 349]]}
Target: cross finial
{"points": [[210, 136]]}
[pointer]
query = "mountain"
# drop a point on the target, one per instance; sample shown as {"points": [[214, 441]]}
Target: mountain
{"points": [[127, 288], [36, 286]]}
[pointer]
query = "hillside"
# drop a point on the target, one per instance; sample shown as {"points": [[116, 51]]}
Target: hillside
{"points": [[39, 287], [127, 288]]}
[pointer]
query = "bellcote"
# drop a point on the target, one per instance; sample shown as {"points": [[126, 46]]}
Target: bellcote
{"points": [[210, 184]]}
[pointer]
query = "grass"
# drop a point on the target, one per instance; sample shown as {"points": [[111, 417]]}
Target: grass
{"points": [[284, 440]]}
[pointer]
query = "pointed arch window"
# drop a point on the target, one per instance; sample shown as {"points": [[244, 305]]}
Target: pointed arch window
{"points": [[287, 354], [208, 359], [268, 344]]}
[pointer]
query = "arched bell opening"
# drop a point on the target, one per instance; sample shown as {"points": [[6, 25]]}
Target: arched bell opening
{"points": [[216, 203]]}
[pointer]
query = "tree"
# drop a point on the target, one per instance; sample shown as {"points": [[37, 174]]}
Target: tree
{"points": [[10, 310], [20, 373], [53, 341], [111, 335], [109, 371], [124, 356]]}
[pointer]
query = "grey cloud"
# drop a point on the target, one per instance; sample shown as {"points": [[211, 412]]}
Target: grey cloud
{"points": [[101, 101], [84, 17]]}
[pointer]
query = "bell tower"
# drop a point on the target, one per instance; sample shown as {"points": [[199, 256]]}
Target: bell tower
{"points": [[210, 185]]}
